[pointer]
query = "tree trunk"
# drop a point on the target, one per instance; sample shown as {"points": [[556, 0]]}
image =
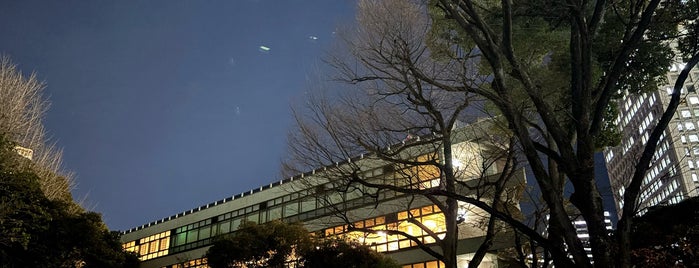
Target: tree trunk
{"points": [[593, 214], [452, 236], [634, 187], [452, 205], [487, 243], [588, 200]]}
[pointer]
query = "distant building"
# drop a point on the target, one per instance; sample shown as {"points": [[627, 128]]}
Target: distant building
{"points": [[182, 240], [581, 230], [674, 171], [24, 152]]}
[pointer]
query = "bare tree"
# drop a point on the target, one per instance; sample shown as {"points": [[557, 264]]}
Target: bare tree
{"points": [[595, 70], [22, 108], [397, 137], [551, 69], [409, 176]]}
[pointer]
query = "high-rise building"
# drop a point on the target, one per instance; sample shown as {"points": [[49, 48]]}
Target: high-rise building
{"points": [[580, 226], [183, 239], [581, 230], [674, 171]]}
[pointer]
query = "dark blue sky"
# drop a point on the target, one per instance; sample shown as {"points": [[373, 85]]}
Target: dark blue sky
{"points": [[162, 106]]}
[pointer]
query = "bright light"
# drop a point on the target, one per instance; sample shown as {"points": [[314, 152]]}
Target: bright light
{"points": [[462, 213], [456, 163], [430, 224]]}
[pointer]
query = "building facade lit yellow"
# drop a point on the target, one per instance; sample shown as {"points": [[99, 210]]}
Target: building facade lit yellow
{"points": [[182, 240]]}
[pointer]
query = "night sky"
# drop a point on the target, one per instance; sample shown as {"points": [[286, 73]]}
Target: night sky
{"points": [[162, 106]]}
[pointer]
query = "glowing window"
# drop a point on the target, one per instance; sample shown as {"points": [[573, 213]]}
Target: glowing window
{"points": [[196, 263], [381, 241], [150, 247]]}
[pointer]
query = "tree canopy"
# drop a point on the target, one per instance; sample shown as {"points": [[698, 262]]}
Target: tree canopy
{"points": [[343, 253], [667, 236], [22, 108], [550, 72], [275, 243], [40, 223], [258, 245]]}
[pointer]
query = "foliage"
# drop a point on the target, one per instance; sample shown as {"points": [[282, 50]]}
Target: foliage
{"points": [[24, 214], [342, 253], [36, 231], [595, 53], [667, 235], [418, 144], [22, 108], [82, 238], [258, 245], [550, 70], [275, 243]]}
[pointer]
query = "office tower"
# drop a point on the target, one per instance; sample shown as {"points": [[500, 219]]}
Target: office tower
{"points": [[581, 230], [674, 170]]}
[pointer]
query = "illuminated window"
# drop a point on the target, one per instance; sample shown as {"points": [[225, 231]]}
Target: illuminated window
{"points": [[429, 264], [150, 247], [421, 176], [381, 241], [685, 113], [196, 263], [130, 246]]}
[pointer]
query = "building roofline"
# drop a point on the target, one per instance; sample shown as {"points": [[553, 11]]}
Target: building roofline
{"points": [[241, 195], [281, 182]]}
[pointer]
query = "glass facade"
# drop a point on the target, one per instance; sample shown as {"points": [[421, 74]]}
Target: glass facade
{"points": [[150, 247], [429, 264], [428, 216], [311, 200], [670, 177], [298, 206], [196, 263], [200, 233]]}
